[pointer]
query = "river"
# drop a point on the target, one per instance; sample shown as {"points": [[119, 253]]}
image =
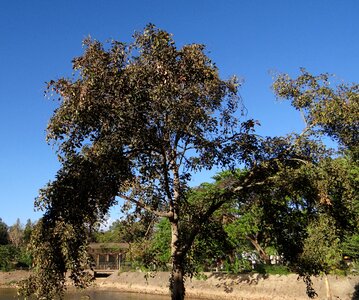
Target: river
{"points": [[10, 294]]}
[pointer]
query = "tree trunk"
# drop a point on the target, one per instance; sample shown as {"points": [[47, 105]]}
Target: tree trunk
{"points": [[177, 275], [263, 255], [177, 281], [327, 285]]}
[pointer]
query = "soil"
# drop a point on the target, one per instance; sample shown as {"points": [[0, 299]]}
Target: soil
{"points": [[9, 279], [219, 286], [234, 287]]}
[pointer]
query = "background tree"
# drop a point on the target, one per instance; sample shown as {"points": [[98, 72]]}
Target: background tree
{"points": [[16, 233], [4, 235], [8, 255], [326, 109], [159, 250], [246, 230], [330, 110], [13, 251], [27, 231]]}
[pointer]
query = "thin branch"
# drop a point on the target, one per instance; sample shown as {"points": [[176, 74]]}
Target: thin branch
{"points": [[166, 175], [143, 150], [303, 117], [146, 207]]}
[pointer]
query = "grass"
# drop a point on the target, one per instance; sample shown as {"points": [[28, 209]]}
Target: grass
{"points": [[272, 269]]}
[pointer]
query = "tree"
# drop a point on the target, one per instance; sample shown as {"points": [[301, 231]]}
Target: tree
{"points": [[16, 234], [160, 113], [135, 122], [161, 244], [27, 231], [7, 257], [326, 109], [247, 226], [331, 110], [4, 235], [79, 197]]}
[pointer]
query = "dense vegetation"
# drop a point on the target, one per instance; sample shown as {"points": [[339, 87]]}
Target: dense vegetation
{"points": [[13, 246], [138, 120], [248, 235]]}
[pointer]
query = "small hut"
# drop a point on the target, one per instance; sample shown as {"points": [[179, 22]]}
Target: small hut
{"points": [[107, 256]]}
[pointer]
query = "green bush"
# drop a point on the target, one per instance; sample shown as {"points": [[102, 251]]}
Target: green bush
{"points": [[272, 269], [239, 265], [24, 259], [8, 255]]}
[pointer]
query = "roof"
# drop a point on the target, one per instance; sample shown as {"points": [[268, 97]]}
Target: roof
{"points": [[108, 247]]}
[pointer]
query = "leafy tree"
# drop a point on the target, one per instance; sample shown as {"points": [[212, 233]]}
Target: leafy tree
{"points": [[79, 197], [16, 234], [112, 235], [210, 246], [351, 246], [27, 231], [247, 226], [331, 110], [8, 254], [13, 252], [135, 122], [328, 109], [322, 246], [321, 250], [4, 235], [160, 247], [162, 112]]}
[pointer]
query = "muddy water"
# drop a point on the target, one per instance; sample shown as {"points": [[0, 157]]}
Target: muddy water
{"points": [[10, 294]]}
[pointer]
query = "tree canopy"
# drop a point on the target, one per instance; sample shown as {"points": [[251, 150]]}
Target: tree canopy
{"points": [[329, 109], [137, 120]]}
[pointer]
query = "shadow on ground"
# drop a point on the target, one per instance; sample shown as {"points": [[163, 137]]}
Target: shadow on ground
{"points": [[356, 292], [228, 281]]}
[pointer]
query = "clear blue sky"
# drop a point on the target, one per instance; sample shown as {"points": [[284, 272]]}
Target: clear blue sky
{"points": [[248, 38]]}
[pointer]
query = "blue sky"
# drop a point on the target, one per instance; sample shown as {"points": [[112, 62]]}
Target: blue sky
{"points": [[249, 38]]}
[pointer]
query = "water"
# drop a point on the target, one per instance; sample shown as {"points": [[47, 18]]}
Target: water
{"points": [[10, 294]]}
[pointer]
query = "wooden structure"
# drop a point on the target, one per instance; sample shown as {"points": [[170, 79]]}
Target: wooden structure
{"points": [[107, 257]]}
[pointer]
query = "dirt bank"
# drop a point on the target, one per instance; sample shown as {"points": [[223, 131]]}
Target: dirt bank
{"points": [[219, 286], [8, 279]]}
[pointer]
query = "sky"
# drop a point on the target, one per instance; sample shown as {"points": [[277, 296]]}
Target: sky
{"points": [[251, 39]]}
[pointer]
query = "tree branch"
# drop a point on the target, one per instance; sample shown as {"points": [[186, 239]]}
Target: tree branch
{"points": [[146, 207]]}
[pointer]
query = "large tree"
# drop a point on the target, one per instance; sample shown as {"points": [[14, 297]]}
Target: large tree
{"points": [[140, 118], [328, 109], [135, 122]]}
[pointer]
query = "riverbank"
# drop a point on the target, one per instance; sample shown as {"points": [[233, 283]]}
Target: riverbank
{"points": [[10, 279], [219, 286], [233, 287]]}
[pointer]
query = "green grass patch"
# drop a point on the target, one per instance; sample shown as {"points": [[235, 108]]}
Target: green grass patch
{"points": [[272, 269]]}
